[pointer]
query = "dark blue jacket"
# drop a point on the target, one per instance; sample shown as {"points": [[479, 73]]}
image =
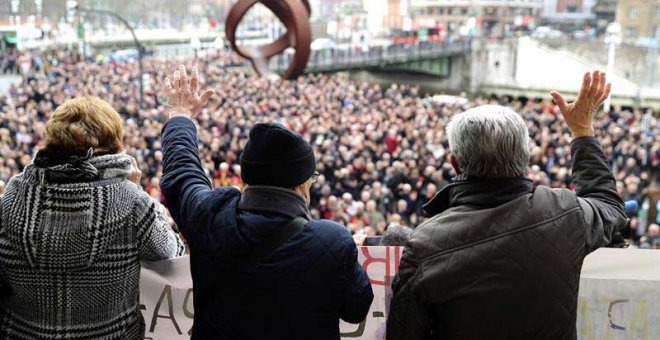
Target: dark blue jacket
{"points": [[298, 292]]}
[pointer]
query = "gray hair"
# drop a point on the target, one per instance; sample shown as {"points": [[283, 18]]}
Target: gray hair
{"points": [[489, 141], [396, 236]]}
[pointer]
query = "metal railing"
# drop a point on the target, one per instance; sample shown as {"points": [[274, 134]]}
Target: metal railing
{"points": [[341, 59]]}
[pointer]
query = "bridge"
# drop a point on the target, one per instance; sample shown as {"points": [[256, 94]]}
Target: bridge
{"points": [[520, 67], [432, 59]]}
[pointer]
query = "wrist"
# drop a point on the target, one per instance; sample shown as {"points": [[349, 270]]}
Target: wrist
{"points": [[583, 133], [174, 114]]}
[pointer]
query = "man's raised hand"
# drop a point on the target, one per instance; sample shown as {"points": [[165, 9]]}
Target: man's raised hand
{"points": [[579, 114], [183, 98]]}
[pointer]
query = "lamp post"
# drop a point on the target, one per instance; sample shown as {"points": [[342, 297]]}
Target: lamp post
{"points": [[138, 45], [612, 38], [15, 6], [39, 5], [654, 56]]}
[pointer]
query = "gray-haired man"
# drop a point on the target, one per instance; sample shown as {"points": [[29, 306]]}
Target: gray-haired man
{"points": [[501, 258]]}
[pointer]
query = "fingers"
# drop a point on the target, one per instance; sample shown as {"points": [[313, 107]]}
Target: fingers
{"points": [[559, 99], [177, 80], [593, 87], [586, 84], [169, 90], [601, 85], [183, 78], [205, 97], [606, 94], [194, 80]]}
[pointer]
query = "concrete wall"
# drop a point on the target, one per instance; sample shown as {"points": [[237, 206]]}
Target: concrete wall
{"points": [[521, 67], [527, 67], [539, 66], [631, 62]]}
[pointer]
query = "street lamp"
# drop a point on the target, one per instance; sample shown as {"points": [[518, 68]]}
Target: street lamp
{"points": [[39, 5], [138, 45], [654, 56], [612, 38], [15, 6]]}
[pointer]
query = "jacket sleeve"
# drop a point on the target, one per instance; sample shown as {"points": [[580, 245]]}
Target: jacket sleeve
{"points": [[596, 190], [186, 188], [359, 295], [408, 318], [156, 239]]}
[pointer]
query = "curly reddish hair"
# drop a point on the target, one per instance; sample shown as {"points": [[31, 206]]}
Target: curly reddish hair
{"points": [[83, 123]]}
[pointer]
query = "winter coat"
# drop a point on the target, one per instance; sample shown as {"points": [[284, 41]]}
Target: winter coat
{"points": [[73, 231], [501, 259], [299, 291]]}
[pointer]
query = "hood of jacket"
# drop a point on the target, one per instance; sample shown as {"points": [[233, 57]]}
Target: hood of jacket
{"points": [[64, 168]]}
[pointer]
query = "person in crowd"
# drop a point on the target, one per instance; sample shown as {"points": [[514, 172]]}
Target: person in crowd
{"points": [[652, 239], [75, 225], [261, 268], [497, 246], [376, 218]]}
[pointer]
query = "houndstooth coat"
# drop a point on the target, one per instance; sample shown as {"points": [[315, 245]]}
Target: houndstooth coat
{"points": [[73, 232]]}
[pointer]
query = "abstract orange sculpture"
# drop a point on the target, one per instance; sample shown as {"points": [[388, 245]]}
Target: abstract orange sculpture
{"points": [[294, 14]]}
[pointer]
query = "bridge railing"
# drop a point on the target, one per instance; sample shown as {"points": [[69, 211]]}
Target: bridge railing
{"points": [[339, 59]]}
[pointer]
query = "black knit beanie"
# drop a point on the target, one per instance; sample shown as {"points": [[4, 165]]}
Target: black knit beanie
{"points": [[276, 156]]}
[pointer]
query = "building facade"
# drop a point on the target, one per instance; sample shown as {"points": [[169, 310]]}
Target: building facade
{"points": [[605, 11], [568, 10], [490, 18], [639, 19], [570, 6], [397, 14]]}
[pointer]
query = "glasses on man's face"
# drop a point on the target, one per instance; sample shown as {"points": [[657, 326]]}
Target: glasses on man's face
{"points": [[315, 176]]}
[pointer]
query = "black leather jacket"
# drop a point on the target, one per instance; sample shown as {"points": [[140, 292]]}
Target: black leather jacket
{"points": [[501, 259]]}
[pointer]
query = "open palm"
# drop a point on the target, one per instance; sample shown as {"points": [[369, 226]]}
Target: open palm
{"points": [[183, 98], [580, 113]]}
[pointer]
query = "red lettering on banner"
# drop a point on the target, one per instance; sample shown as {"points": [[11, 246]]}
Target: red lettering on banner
{"points": [[390, 262], [370, 259], [397, 258]]}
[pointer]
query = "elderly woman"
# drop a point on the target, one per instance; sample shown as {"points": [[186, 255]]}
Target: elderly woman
{"points": [[75, 226]]}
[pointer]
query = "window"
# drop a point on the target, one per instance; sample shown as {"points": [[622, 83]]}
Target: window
{"points": [[633, 13], [571, 9], [657, 12], [631, 32]]}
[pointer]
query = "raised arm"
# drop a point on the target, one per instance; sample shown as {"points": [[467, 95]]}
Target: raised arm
{"points": [[186, 188], [595, 184]]}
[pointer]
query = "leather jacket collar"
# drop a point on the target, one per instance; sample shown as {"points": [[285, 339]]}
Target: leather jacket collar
{"points": [[480, 193], [274, 200]]}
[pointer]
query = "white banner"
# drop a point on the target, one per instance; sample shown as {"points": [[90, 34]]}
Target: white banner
{"points": [[619, 295]]}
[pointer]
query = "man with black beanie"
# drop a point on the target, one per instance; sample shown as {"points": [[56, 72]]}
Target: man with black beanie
{"points": [[261, 268]]}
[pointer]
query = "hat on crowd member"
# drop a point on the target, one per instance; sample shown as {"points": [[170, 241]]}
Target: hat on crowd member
{"points": [[276, 156]]}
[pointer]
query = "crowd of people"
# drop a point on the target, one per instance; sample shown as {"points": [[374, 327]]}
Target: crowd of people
{"points": [[381, 151]]}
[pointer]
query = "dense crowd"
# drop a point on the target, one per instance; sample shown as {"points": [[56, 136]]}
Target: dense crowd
{"points": [[381, 152]]}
